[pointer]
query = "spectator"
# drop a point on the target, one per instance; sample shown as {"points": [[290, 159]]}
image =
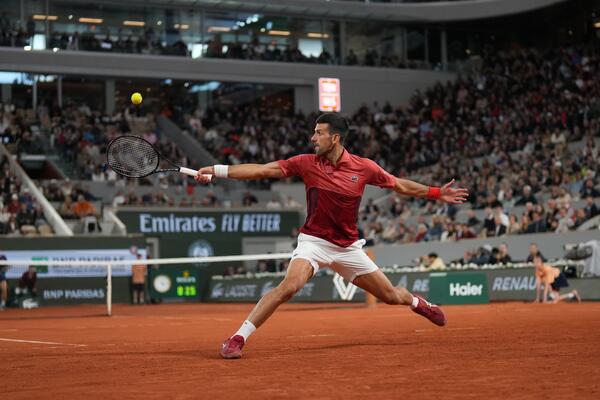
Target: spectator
{"points": [[274, 203], [84, 208], [528, 197], [28, 282], [466, 259], [249, 199], [500, 228], [210, 200], [3, 283], [473, 220], [533, 252], [591, 209], [66, 208], [537, 225], [514, 227], [565, 222], [463, 231], [580, 218], [483, 255], [434, 262], [489, 223], [290, 203], [26, 220], [588, 189], [502, 256]]}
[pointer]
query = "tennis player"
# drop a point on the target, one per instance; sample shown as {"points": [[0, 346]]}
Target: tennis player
{"points": [[335, 181]]}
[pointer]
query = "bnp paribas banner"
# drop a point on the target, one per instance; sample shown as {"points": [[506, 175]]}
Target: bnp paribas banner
{"points": [[24, 258], [204, 232]]}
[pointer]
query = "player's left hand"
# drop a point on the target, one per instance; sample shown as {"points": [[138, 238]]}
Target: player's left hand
{"points": [[452, 195]]}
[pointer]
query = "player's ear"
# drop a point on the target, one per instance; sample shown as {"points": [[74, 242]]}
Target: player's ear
{"points": [[334, 136]]}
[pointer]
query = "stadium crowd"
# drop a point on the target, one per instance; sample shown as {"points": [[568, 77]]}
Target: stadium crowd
{"points": [[20, 213], [151, 42], [504, 132]]}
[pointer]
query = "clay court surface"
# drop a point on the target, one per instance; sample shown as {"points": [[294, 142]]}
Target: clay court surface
{"points": [[509, 351]]}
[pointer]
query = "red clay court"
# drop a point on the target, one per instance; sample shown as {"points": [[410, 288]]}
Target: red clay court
{"points": [[509, 350]]}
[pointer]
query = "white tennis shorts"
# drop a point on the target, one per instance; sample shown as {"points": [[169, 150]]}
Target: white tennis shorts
{"points": [[349, 262]]}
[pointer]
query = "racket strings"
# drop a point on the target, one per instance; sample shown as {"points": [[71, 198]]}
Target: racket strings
{"points": [[132, 156]]}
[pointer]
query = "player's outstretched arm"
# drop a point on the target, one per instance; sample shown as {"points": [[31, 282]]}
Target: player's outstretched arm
{"points": [[445, 193], [240, 172]]}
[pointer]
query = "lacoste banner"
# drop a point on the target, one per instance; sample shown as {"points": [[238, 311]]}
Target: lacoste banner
{"points": [[230, 290], [458, 288], [319, 289]]}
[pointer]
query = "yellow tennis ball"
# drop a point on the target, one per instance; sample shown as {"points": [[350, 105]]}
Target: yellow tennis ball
{"points": [[136, 98]]}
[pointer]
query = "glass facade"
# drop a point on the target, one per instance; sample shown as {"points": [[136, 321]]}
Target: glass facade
{"points": [[203, 32]]}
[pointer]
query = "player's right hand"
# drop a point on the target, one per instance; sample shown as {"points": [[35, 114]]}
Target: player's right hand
{"points": [[203, 173]]}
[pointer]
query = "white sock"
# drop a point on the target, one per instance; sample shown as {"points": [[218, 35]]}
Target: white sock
{"points": [[246, 330], [415, 302]]}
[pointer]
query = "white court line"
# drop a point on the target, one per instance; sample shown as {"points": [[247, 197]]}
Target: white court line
{"points": [[310, 336], [448, 329], [39, 342]]}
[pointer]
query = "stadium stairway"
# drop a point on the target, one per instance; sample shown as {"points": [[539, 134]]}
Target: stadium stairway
{"points": [[193, 150]]}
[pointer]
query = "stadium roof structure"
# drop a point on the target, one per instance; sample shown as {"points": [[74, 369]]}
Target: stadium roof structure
{"points": [[444, 11]]}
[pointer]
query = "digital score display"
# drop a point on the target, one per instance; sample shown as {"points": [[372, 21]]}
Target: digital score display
{"points": [[174, 283], [330, 95]]}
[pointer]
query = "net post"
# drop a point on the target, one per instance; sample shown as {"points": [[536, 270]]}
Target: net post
{"points": [[109, 289]]}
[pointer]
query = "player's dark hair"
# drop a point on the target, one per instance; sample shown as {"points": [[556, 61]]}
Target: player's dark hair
{"points": [[337, 124]]}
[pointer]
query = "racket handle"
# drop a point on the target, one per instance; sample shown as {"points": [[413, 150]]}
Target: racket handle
{"points": [[192, 172]]}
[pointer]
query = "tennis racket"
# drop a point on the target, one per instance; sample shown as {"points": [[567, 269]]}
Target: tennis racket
{"points": [[134, 157]]}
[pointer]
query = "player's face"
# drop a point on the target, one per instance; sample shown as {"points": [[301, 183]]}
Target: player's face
{"points": [[322, 139]]}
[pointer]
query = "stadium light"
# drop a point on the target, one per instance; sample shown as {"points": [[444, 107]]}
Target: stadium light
{"points": [[219, 29], [280, 33], [42, 17], [317, 35], [134, 23], [86, 20]]}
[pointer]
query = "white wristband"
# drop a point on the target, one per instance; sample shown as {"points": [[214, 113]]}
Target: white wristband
{"points": [[221, 171]]}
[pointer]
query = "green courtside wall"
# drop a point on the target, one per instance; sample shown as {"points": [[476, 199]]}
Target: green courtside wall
{"points": [[501, 285]]}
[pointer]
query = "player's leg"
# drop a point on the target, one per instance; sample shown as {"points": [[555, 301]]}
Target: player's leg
{"points": [[141, 294], [355, 266], [3, 294], [298, 273], [134, 293], [380, 286], [572, 295]]}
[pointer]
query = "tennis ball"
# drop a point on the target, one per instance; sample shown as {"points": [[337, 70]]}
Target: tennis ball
{"points": [[136, 98]]}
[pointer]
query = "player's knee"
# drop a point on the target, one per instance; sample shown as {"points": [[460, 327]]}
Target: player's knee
{"points": [[287, 290]]}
